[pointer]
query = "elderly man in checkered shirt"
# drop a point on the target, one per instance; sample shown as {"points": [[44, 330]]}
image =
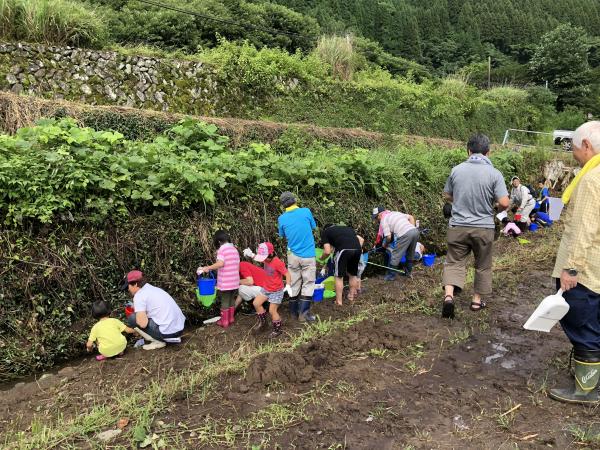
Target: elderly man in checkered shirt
{"points": [[577, 268]]}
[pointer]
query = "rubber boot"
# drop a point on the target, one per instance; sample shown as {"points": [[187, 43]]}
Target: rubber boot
{"points": [[294, 307], [305, 314], [261, 322], [224, 320], [391, 274], [276, 329], [583, 390], [408, 267], [231, 314]]}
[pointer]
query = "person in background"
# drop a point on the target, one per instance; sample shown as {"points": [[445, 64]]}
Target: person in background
{"points": [[473, 188], [419, 251], [156, 316], [544, 196], [521, 198], [107, 333], [398, 228], [252, 280], [577, 268], [347, 245], [296, 225], [510, 228], [228, 276], [541, 218], [274, 288]]}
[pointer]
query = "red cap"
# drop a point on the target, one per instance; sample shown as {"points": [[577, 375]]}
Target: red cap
{"points": [[264, 250], [134, 275]]}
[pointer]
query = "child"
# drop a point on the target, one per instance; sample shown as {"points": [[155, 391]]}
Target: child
{"points": [[228, 276], [544, 196], [541, 218], [273, 290], [510, 228], [107, 332]]}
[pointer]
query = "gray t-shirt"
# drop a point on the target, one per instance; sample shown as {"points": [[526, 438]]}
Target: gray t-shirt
{"points": [[475, 186]]}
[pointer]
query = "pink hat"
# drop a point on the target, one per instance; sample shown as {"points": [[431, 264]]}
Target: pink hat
{"points": [[134, 275], [264, 250]]}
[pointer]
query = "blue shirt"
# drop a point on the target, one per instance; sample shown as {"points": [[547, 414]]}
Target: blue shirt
{"points": [[545, 193], [296, 226], [545, 217]]}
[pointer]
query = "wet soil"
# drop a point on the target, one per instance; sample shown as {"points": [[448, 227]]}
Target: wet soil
{"points": [[403, 380]]}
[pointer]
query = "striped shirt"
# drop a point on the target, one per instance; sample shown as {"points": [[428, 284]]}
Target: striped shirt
{"points": [[228, 276], [580, 245], [396, 223]]}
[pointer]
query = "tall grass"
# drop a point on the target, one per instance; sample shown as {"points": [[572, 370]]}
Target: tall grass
{"points": [[57, 22], [338, 52]]}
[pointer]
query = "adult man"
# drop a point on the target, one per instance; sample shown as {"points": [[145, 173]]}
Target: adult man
{"points": [[473, 187], [400, 236], [347, 245], [521, 198], [297, 225], [252, 279], [156, 317], [577, 268]]}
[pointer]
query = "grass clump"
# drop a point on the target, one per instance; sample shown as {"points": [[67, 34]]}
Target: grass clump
{"points": [[59, 22]]}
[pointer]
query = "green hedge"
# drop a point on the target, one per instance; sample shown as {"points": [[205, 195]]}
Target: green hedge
{"points": [[106, 198]]}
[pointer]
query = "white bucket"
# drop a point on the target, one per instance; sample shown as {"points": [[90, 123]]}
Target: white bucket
{"points": [[548, 313]]}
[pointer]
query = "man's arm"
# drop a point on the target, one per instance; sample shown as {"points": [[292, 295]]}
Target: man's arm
{"points": [[448, 197], [141, 318], [448, 191], [503, 203], [248, 281], [411, 219], [327, 250]]}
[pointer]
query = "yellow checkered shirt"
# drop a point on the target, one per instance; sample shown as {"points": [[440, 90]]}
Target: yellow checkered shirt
{"points": [[580, 244]]}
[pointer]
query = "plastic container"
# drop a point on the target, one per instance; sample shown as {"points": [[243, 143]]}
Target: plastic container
{"points": [[206, 286], [429, 259], [128, 310], [319, 291], [329, 294], [534, 227], [206, 300], [552, 309], [403, 259], [329, 283], [319, 254]]}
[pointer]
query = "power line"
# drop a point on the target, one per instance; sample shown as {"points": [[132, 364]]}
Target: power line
{"points": [[225, 21]]}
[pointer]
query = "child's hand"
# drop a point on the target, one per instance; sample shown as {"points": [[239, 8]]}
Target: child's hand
{"points": [[288, 289], [200, 270]]}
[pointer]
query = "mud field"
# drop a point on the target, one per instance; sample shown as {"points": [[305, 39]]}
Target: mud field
{"points": [[384, 373]]}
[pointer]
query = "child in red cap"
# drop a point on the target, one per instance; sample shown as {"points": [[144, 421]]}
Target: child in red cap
{"points": [[274, 289]]}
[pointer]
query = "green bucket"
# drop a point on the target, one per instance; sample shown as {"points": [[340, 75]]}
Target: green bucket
{"points": [[206, 300], [319, 254]]}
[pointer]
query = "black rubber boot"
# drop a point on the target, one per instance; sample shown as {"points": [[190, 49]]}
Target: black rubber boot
{"points": [[294, 307], [261, 322], [305, 314], [276, 329], [391, 274]]}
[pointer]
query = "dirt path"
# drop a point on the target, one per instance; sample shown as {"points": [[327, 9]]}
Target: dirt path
{"points": [[386, 373]]}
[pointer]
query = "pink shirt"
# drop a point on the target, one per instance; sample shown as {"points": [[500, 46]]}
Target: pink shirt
{"points": [[511, 226], [228, 276]]}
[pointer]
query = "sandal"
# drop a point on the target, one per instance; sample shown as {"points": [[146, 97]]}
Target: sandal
{"points": [[477, 306], [448, 307]]}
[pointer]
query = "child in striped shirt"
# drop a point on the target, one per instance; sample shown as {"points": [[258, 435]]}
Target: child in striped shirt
{"points": [[228, 276]]}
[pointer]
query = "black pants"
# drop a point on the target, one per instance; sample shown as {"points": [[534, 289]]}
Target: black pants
{"points": [[582, 322]]}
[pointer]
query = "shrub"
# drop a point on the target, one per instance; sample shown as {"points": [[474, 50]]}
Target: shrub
{"points": [[58, 22], [338, 52]]}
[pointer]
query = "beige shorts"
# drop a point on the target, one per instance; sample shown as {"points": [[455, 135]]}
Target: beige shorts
{"points": [[249, 293]]}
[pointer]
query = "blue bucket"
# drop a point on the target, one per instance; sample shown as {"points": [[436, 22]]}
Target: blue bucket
{"points": [[403, 259], [534, 227], [206, 286], [318, 293], [429, 259]]}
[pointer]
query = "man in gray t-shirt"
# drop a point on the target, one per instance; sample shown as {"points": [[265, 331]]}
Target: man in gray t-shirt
{"points": [[473, 187]]}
